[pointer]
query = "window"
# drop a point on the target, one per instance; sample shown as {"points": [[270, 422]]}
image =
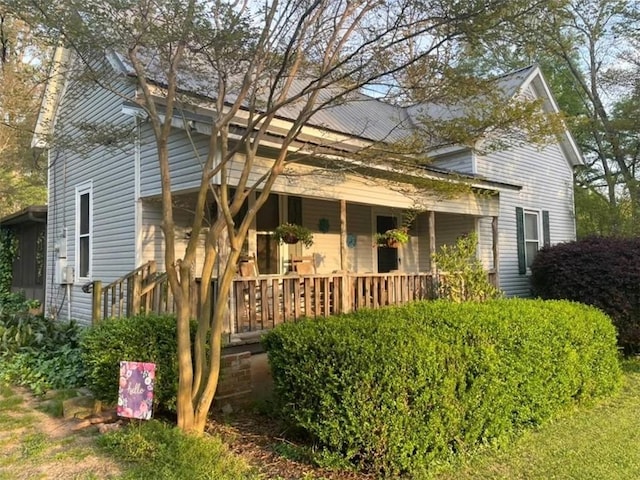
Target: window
{"points": [[532, 235], [84, 230]]}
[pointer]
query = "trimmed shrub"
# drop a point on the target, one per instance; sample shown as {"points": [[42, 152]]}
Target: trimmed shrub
{"points": [[143, 338], [603, 272], [396, 390]]}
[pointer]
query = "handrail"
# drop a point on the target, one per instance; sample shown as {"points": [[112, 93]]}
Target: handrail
{"points": [[122, 296], [150, 265]]}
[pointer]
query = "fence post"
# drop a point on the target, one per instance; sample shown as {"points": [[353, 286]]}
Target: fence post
{"points": [[96, 307], [346, 301], [135, 295]]}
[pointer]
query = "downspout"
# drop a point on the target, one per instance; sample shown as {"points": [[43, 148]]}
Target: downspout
{"points": [[137, 195]]}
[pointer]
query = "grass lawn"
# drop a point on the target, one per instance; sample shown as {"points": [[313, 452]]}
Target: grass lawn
{"points": [[601, 442]]}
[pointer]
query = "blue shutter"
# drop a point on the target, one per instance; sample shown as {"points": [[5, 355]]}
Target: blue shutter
{"points": [[522, 262]]}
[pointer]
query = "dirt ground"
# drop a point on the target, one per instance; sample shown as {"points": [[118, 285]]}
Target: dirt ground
{"points": [[36, 445], [262, 443]]}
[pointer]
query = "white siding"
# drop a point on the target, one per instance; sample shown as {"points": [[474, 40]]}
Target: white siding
{"points": [[326, 246], [312, 182], [360, 257], [547, 184], [461, 161], [187, 154], [112, 175]]}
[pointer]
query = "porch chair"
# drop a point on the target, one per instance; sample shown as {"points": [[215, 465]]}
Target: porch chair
{"points": [[247, 266], [304, 265]]}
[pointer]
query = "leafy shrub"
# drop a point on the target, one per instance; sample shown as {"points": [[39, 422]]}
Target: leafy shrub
{"points": [[155, 450], [464, 277], [603, 272], [16, 302], [394, 390], [39, 353], [143, 338], [8, 251]]}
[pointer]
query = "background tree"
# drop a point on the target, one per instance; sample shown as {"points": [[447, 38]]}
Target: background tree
{"points": [[22, 174], [257, 62], [588, 51]]}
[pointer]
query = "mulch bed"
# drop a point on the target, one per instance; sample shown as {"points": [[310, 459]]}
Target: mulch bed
{"points": [[257, 438]]}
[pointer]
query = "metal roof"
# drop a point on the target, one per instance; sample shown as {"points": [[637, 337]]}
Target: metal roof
{"points": [[353, 113]]}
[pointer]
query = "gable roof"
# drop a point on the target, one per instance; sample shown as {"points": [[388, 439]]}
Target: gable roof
{"points": [[359, 116], [511, 85]]}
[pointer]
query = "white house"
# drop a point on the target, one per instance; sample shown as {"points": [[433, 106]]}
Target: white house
{"points": [[104, 213]]}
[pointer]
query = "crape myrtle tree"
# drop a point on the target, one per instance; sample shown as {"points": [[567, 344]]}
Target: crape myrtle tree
{"points": [[255, 61]]}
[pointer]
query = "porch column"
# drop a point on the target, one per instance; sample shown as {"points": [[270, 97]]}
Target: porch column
{"points": [[432, 252], [432, 242], [496, 250], [343, 235], [346, 284]]}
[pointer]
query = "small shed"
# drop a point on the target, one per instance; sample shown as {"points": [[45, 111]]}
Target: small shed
{"points": [[29, 226]]}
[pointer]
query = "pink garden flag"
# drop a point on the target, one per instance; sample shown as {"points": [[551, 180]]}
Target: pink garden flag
{"points": [[135, 397]]}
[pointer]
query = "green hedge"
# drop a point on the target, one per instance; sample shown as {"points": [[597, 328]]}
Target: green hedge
{"points": [[144, 338], [395, 390]]}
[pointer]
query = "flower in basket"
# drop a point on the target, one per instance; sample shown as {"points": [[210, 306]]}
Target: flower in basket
{"points": [[394, 237], [292, 233]]}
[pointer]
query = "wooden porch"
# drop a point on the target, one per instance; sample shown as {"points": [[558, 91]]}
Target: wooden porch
{"points": [[261, 302]]}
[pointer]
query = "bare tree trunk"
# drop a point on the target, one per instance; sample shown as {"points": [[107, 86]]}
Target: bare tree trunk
{"points": [[186, 418]]}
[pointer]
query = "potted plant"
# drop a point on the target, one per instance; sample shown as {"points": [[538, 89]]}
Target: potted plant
{"points": [[291, 233], [393, 238]]}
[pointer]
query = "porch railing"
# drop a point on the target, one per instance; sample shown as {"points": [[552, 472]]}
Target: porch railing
{"points": [[123, 296], [262, 302]]}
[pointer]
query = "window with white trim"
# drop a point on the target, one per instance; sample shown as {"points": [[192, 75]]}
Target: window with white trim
{"points": [[532, 236], [84, 230], [532, 229]]}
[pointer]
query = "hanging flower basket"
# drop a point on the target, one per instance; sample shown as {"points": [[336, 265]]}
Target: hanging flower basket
{"points": [[392, 238], [392, 243], [290, 238], [291, 233]]}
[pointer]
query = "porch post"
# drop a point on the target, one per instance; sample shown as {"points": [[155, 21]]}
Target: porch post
{"points": [[96, 307], [432, 241], [496, 251], [343, 235], [345, 300], [432, 251]]}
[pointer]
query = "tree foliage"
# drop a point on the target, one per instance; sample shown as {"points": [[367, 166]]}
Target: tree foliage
{"points": [[590, 53], [22, 172]]}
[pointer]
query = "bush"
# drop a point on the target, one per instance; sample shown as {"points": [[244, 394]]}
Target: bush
{"points": [[143, 338], [465, 278], [39, 353], [396, 390], [603, 272]]}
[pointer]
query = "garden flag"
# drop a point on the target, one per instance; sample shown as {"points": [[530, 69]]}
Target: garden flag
{"points": [[135, 397]]}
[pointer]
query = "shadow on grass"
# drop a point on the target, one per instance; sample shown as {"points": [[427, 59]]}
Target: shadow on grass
{"points": [[631, 364]]}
